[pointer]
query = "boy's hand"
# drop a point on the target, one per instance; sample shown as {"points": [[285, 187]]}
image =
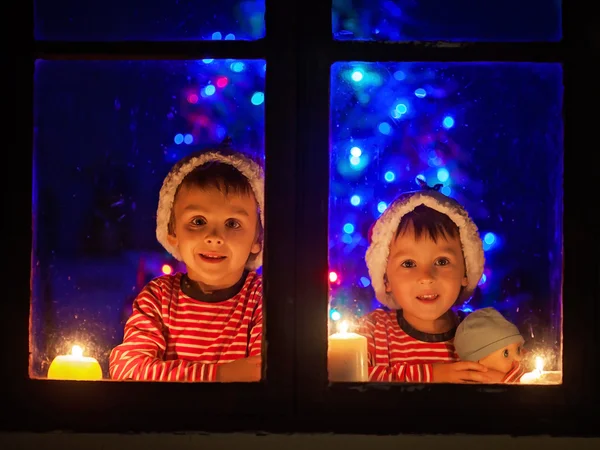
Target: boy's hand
{"points": [[244, 370], [460, 372]]}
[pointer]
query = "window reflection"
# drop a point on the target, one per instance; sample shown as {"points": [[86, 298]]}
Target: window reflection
{"points": [[456, 20], [489, 135], [171, 20], [106, 134]]}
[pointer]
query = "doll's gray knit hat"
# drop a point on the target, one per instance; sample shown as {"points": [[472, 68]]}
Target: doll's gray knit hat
{"points": [[483, 332], [384, 230], [222, 154]]}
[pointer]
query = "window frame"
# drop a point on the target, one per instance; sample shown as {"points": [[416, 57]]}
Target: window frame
{"points": [[41, 405], [296, 396], [402, 407]]}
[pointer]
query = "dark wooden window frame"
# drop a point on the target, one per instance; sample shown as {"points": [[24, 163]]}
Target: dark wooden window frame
{"points": [[295, 395]]}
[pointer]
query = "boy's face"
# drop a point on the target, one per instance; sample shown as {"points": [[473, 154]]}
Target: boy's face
{"points": [[502, 360], [425, 277], [215, 234]]}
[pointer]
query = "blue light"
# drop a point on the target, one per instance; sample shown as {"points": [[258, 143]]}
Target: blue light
{"points": [[364, 281], [420, 93], [237, 66], [389, 176], [356, 151], [446, 191], [335, 315], [448, 122], [489, 238], [357, 75], [355, 160], [384, 128], [401, 108], [420, 177], [347, 239], [207, 60], [210, 90], [220, 132], [443, 175], [381, 206], [178, 138], [230, 37], [217, 36], [482, 280], [257, 98], [348, 228], [399, 75], [355, 200], [188, 139]]}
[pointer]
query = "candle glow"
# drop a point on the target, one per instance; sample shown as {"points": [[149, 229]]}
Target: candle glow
{"points": [[75, 366], [347, 356]]}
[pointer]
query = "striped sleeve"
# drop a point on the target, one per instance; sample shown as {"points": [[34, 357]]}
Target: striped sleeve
{"points": [[140, 356], [379, 367], [515, 373], [256, 325]]}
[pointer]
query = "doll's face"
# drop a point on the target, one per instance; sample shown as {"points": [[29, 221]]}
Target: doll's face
{"points": [[503, 359]]}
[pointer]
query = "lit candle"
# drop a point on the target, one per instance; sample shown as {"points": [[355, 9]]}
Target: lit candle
{"points": [[347, 356], [75, 367], [541, 376]]}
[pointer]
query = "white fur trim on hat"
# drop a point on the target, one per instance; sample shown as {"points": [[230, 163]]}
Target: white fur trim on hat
{"points": [[248, 168], [386, 226]]}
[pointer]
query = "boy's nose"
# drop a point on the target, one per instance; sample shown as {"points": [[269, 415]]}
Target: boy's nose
{"points": [[426, 276], [213, 239]]}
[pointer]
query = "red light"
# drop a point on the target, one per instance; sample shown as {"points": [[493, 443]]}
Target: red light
{"points": [[167, 269], [333, 277], [192, 98], [222, 82]]}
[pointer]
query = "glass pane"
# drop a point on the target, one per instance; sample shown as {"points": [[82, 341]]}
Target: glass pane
{"points": [[489, 135], [457, 20], [170, 20], [106, 135]]}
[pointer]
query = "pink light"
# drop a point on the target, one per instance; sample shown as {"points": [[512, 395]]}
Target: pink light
{"points": [[333, 277], [222, 82], [192, 98]]}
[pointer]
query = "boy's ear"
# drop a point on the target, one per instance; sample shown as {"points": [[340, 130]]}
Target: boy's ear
{"points": [[256, 248], [465, 282], [172, 239], [386, 283]]}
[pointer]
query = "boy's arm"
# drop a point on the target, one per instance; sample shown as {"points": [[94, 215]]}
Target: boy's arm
{"points": [[377, 343], [140, 356], [256, 328]]}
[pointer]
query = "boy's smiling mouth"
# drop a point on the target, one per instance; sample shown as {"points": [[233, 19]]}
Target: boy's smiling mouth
{"points": [[428, 298], [211, 257]]}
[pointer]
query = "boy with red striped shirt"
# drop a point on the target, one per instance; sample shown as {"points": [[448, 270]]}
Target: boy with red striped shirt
{"points": [[425, 255], [205, 324]]}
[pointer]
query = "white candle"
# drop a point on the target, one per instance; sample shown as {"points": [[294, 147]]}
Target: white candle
{"points": [[541, 376], [75, 367], [347, 356]]}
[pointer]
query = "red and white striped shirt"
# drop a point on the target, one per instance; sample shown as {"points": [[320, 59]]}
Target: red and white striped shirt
{"points": [[171, 336], [394, 355]]}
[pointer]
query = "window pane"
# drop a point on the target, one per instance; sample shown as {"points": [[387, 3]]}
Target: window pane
{"points": [[490, 134], [176, 20], [457, 20], [106, 135]]}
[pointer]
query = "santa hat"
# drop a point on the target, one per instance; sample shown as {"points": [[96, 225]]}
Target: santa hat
{"points": [[221, 154], [384, 230]]}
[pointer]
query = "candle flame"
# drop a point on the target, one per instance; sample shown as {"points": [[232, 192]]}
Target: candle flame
{"points": [[343, 327], [77, 351], [539, 364]]}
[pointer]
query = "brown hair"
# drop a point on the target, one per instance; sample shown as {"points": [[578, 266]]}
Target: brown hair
{"points": [[427, 220]]}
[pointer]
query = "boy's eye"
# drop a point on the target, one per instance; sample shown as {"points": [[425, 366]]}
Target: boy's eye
{"points": [[231, 223], [198, 221], [442, 262], [505, 353], [408, 264]]}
